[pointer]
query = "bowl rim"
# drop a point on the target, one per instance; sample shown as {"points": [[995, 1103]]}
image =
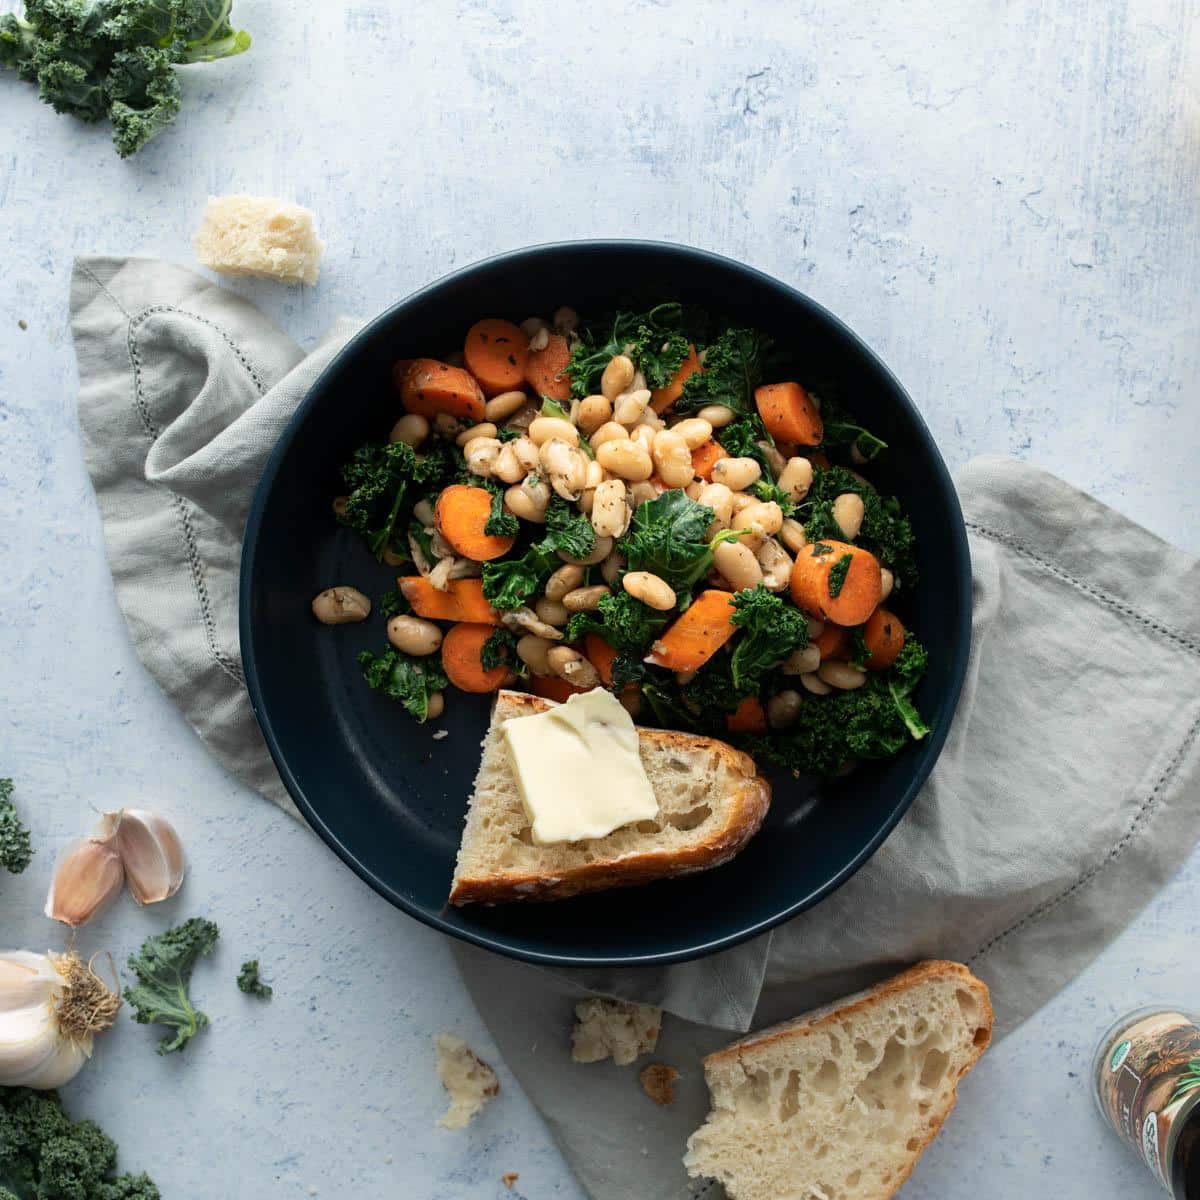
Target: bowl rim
{"points": [[499, 943]]}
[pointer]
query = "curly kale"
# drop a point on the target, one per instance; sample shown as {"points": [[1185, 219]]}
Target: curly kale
{"points": [[163, 967], [626, 624], [410, 680], [15, 848], [771, 631], [886, 532], [509, 583], [394, 604], [44, 1155], [841, 432], [500, 650], [378, 478], [744, 438], [248, 981], [500, 522], [116, 58], [657, 341], [733, 368], [770, 491]]}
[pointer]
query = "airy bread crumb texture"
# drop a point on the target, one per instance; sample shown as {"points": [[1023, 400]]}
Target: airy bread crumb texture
{"points": [[469, 1080], [259, 235], [840, 1104], [614, 1029]]}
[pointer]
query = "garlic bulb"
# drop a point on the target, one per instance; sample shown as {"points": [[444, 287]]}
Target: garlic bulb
{"points": [[87, 879], [150, 851], [51, 1006]]}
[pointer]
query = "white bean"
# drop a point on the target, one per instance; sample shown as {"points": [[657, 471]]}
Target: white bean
{"points": [[791, 534], [551, 611], [595, 474], [481, 455], [737, 565], [504, 405], [340, 504], [617, 377], [796, 478], [783, 709], [887, 581], [542, 429], [610, 510], [447, 427], [743, 500], [484, 429], [847, 512], [802, 662], [585, 599], [412, 635], [412, 429], [650, 589], [673, 459], [565, 319], [599, 552], [694, 489], [642, 491], [423, 511], [531, 325], [528, 500], [570, 665], [508, 467], [340, 606], [629, 406], [816, 627], [540, 340], [764, 518], [737, 474], [532, 651], [565, 579], [610, 431], [594, 411], [644, 435], [612, 567], [776, 565], [720, 499], [435, 705], [812, 682], [841, 675], [717, 415], [694, 431], [565, 466], [775, 460], [626, 460]]}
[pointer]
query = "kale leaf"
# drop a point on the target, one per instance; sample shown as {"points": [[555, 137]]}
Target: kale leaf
{"points": [[44, 1154], [500, 650], [16, 850], [886, 532], [769, 491], [743, 438], [378, 479], [841, 432], [116, 58], [248, 981], [394, 604], [837, 575], [509, 583], [656, 341], [626, 624], [773, 630], [733, 368], [163, 967], [410, 680], [500, 522]]}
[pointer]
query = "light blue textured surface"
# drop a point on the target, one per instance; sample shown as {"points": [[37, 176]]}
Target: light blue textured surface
{"points": [[1000, 197]]}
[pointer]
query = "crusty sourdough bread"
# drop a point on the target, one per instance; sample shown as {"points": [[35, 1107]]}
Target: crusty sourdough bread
{"points": [[711, 802], [838, 1104], [259, 235]]}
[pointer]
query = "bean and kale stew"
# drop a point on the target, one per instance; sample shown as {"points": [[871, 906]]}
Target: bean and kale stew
{"points": [[647, 504]]}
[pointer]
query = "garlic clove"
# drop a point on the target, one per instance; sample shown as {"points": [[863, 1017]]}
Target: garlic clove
{"points": [[88, 878], [25, 979], [28, 1045], [150, 850]]}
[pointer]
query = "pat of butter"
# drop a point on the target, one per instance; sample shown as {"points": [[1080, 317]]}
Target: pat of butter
{"points": [[579, 770]]}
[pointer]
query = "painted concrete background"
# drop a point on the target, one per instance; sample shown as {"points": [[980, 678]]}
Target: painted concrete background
{"points": [[1000, 197]]}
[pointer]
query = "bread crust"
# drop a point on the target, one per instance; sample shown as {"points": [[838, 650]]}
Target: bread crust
{"points": [[830, 1014], [748, 808]]}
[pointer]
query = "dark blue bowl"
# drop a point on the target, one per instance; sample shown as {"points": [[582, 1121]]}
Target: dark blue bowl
{"points": [[389, 799]]}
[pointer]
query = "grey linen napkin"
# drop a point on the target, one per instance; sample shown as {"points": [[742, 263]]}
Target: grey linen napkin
{"points": [[1065, 796]]}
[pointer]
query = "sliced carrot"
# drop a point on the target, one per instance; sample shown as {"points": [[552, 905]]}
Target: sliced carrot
{"points": [[462, 648], [861, 587], [705, 457], [696, 635], [789, 414], [462, 515], [430, 387], [833, 641], [662, 398], [748, 717], [495, 353], [546, 370], [883, 635], [462, 601], [600, 654], [551, 687]]}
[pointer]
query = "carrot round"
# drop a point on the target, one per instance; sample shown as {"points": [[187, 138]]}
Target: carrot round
{"points": [[789, 413], [832, 642], [861, 587], [462, 515], [662, 398], [883, 636], [495, 352], [748, 717], [705, 457], [461, 650], [697, 635], [429, 387], [600, 654], [462, 601], [551, 687], [546, 370]]}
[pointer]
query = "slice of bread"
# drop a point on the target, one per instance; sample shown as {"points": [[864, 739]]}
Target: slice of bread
{"points": [[258, 235], [838, 1104], [711, 801]]}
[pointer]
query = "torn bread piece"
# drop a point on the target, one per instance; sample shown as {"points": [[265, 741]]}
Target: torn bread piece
{"points": [[614, 1029], [470, 1082], [658, 1082], [840, 1103], [259, 235]]}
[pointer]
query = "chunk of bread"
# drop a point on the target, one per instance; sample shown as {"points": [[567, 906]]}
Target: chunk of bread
{"points": [[658, 1082], [711, 802], [839, 1104], [614, 1029], [469, 1080], [258, 235]]}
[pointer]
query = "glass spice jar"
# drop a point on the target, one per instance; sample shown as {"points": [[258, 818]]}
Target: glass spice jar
{"points": [[1146, 1080]]}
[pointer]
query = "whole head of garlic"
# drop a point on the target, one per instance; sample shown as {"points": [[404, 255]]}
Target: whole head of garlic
{"points": [[51, 1006]]}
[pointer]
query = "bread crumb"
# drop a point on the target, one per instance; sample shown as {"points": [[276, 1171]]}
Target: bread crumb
{"points": [[259, 235], [614, 1028], [509, 1178], [658, 1082], [469, 1080], [22, 324], [441, 733]]}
